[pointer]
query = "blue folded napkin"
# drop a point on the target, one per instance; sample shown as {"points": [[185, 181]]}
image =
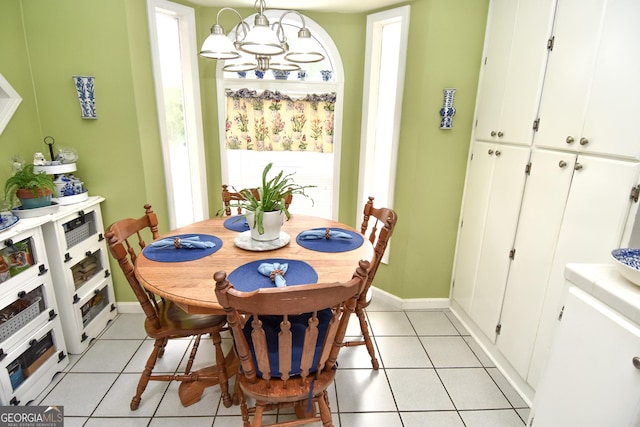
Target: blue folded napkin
{"points": [[181, 243], [275, 271], [323, 234]]}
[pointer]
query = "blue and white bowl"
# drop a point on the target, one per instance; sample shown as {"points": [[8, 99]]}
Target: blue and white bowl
{"points": [[627, 261]]}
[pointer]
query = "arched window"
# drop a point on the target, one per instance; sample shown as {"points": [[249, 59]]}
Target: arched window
{"points": [[293, 120]]}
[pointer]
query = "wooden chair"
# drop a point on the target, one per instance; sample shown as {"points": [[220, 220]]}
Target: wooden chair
{"points": [[228, 197], [288, 345], [378, 234], [164, 320]]}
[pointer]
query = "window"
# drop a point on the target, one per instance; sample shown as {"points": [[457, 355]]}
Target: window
{"points": [[173, 48], [313, 155], [385, 55]]}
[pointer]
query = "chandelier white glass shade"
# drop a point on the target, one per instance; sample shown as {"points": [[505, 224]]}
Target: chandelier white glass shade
{"points": [[267, 43]]}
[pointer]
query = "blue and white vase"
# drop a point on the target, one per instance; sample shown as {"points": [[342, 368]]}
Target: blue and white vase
{"points": [[85, 87], [280, 74], [447, 111], [326, 75]]}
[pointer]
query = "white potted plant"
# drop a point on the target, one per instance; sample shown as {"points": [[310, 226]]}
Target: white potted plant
{"points": [[266, 211]]}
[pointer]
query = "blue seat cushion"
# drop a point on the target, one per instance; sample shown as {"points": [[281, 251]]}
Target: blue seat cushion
{"points": [[299, 323]]}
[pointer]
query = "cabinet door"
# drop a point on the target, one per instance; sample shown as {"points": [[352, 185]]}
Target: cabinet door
{"points": [[590, 378], [476, 199], [569, 73], [545, 196], [612, 114], [513, 69], [507, 184], [594, 220]]}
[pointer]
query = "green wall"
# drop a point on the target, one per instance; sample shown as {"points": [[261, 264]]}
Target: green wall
{"points": [[45, 42]]}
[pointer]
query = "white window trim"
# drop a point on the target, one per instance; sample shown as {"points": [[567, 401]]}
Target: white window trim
{"points": [[192, 104], [370, 101]]}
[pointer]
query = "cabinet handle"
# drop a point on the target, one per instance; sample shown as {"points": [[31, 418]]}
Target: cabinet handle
{"points": [[42, 270], [584, 141], [67, 257], [498, 153], [578, 166], [22, 294], [562, 163], [8, 243], [88, 253], [636, 362], [490, 152], [500, 134], [493, 133], [569, 139]]}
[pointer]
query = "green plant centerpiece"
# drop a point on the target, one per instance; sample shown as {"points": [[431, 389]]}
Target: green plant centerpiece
{"points": [[269, 200], [34, 189]]}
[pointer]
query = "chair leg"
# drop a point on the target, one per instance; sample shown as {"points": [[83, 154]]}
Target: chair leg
{"points": [[367, 338], [243, 407], [325, 411], [158, 346], [164, 345], [257, 416], [222, 369]]}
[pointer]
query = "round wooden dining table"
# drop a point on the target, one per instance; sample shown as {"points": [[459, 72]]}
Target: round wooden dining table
{"points": [[190, 284]]}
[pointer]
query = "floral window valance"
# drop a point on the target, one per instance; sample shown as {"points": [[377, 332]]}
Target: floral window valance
{"points": [[272, 121]]}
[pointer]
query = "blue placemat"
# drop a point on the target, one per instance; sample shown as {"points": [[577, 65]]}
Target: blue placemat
{"points": [[332, 245], [178, 255], [246, 278], [236, 223]]}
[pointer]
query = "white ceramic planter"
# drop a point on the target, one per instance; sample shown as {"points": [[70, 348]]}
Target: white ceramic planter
{"points": [[272, 222]]}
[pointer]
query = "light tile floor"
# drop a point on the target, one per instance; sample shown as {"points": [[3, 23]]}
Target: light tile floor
{"points": [[432, 373]]}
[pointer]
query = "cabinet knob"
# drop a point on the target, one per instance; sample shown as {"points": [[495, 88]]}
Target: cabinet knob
{"points": [[578, 166], [493, 133], [498, 153], [562, 163], [500, 134], [569, 139], [636, 362], [490, 152], [584, 141]]}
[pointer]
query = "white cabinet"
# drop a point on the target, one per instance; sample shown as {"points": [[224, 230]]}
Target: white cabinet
{"points": [[80, 268], [513, 69], [575, 205], [568, 215], [595, 217], [545, 196], [32, 346], [593, 374], [591, 94], [481, 270]]}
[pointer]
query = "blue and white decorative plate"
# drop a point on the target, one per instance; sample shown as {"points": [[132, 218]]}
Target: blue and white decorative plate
{"points": [[627, 260], [7, 221]]}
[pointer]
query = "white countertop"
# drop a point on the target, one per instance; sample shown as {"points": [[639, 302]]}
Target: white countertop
{"points": [[29, 223], [607, 285]]}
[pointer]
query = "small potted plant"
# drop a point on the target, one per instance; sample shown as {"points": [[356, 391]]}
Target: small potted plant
{"points": [[34, 189], [265, 212]]}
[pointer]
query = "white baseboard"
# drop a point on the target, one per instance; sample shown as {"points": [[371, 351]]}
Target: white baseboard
{"points": [[409, 304], [131, 307]]}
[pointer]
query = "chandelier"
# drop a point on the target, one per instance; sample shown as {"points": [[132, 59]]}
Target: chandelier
{"points": [[267, 43]]}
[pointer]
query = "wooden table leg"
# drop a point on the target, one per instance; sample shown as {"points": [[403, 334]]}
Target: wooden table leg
{"points": [[190, 391]]}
